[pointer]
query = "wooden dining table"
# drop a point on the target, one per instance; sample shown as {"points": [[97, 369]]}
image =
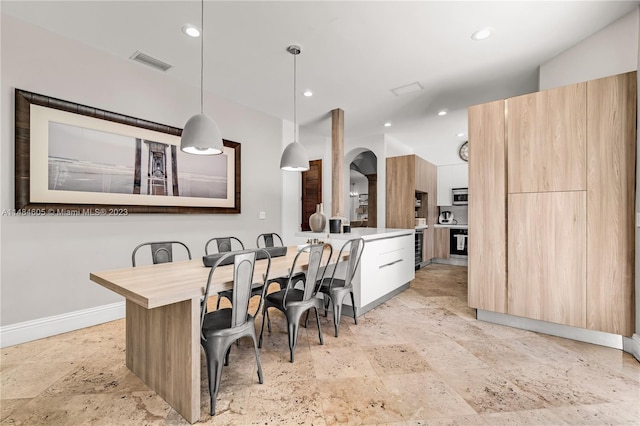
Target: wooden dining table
{"points": [[163, 320]]}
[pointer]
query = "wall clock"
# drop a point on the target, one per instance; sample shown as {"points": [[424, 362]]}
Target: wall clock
{"points": [[464, 151]]}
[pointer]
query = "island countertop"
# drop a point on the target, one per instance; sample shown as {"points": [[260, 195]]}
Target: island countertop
{"points": [[368, 234]]}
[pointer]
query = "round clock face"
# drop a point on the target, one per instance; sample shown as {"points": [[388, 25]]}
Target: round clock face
{"points": [[464, 151]]}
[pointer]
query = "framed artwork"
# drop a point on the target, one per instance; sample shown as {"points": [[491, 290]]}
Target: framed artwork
{"points": [[71, 157]]}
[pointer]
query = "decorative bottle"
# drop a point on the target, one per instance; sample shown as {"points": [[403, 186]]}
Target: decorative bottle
{"points": [[318, 220]]}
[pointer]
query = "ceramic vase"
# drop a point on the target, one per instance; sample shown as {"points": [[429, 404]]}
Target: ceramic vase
{"points": [[318, 220]]}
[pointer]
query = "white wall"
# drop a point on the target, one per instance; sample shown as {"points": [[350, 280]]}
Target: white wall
{"points": [[46, 261], [613, 50]]}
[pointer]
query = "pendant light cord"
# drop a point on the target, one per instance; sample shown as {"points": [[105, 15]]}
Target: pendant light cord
{"points": [[202, 57], [295, 108]]}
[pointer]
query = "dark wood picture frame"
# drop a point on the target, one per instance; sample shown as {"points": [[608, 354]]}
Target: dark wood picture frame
{"points": [[23, 102]]}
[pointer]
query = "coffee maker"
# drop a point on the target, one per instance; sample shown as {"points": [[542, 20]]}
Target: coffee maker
{"points": [[446, 217]]}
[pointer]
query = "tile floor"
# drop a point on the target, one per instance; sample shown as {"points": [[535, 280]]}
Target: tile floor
{"points": [[419, 359]]}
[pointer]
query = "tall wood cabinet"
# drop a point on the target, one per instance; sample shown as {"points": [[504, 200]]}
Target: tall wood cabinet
{"points": [[487, 260], [564, 208], [408, 177]]}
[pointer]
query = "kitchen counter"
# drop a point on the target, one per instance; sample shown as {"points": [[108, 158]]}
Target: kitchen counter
{"points": [[386, 268], [421, 227], [452, 226], [368, 234]]}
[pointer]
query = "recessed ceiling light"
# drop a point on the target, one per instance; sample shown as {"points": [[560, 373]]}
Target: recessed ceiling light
{"points": [[443, 112], [387, 124], [308, 93], [481, 34], [460, 135], [190, 30]]}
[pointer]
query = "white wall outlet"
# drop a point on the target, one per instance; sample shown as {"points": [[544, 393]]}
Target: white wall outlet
{"points": [[262, 215]]}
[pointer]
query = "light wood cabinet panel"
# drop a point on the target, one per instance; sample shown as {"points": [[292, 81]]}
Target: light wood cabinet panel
{"points": [[546, 140], [611, 118], [400, 205], [547, 260], [487, 261], [442, 250]]}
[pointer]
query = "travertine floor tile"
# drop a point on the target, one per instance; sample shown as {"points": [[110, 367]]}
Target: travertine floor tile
{"points": [[487, 391], [359, 401], [94, 409], [29, 380], [340, 363], [522, 418], [600, 414], [426, 396], [448, 355], [396, 359]]}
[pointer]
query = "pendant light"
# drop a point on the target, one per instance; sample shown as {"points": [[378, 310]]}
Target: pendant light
{"points": [[294, 157], [201, 134]]}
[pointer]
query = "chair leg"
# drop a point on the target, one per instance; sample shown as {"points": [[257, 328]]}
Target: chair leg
{"points": [[226, 356], [292, 327], [255, 347], [319, 329], [353, 304], [337, 311], [218, 302], [214, 371], [325, 303], [264, 313]]}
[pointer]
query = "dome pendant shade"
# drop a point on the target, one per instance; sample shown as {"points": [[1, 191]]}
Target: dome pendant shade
{"points": [[294, 158], [201, 136]]}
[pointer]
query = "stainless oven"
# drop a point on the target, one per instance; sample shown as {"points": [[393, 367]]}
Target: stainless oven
{"points": [[460, 196], [458, 242]]}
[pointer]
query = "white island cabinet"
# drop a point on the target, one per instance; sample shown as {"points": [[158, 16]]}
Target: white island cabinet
{"points": [[386, 268]]}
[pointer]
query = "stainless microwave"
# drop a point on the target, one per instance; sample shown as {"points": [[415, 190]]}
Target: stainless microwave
{"points": [[460, 196]]}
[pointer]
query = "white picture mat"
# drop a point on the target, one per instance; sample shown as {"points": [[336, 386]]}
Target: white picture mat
{"points": [[39, 157]]}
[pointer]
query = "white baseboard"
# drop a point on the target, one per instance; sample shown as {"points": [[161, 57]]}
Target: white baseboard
{"points": [[632, 345], [27, 331]]}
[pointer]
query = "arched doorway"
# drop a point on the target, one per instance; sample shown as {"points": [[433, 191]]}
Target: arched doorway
{"points": [[363, 189]]}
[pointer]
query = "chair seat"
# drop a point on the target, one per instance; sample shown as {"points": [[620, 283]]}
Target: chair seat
{"points": [[337, 283], [277, 297], [219, 323]]}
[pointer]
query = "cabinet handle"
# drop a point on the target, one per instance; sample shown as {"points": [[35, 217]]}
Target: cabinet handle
{"points": [[390, 263]]}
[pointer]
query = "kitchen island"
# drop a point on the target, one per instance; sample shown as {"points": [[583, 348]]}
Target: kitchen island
{"points": [[386, 267]]}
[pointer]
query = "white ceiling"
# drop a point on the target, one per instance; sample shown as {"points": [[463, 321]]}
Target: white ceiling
{"points": [[353, 53]]}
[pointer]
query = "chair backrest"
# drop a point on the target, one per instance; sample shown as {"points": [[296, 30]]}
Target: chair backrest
{"points": [[319, 257], [224, 244], [161, 251], [243, 269], [355, 247], [269, 240]]}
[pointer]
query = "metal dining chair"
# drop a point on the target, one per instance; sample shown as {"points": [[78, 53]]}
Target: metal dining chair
{"points": [[161, 251], [292, 301], [334, 290], [220, 328], [226, 245], [271, 239]]}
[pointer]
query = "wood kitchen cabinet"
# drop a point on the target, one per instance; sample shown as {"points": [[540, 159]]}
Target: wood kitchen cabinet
{"points": [[487, 208], [547, 263], [441, 239], [568, 193], [408, 177], [611, 154], [546, 140]]}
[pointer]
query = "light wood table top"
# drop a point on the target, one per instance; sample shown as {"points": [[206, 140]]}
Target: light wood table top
{"points": [[151, 286]]}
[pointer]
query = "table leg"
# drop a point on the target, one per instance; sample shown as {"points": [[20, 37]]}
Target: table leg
{"points": [[163, 349]]}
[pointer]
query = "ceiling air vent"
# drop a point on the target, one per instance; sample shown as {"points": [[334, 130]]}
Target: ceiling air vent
{"points": [[150, 61], [409, 88]]}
